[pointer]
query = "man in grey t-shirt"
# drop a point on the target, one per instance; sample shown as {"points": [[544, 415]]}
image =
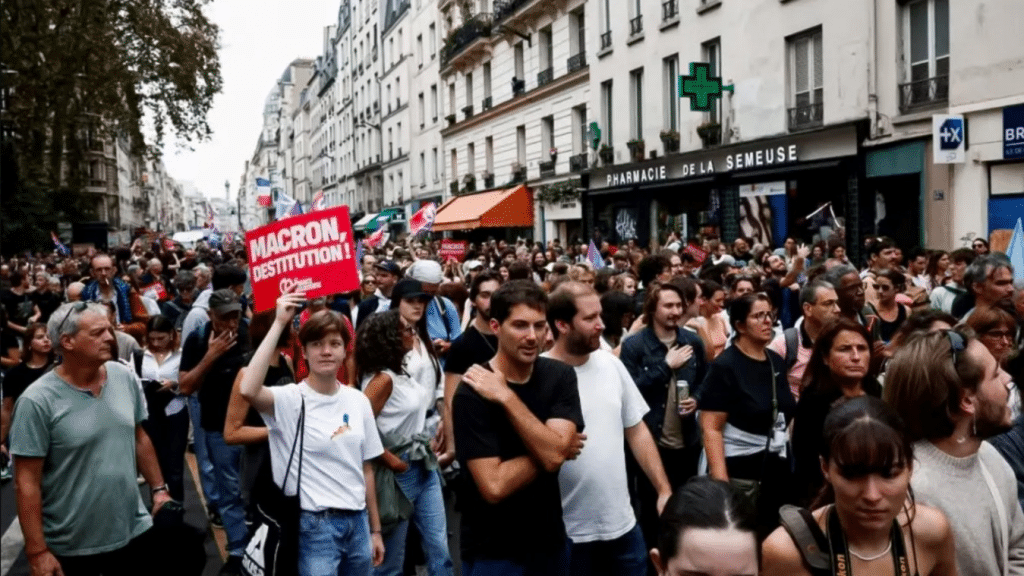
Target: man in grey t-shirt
{"points": [[78, 447]]}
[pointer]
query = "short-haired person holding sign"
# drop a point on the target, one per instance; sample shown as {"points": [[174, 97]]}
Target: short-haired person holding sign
{"points": [[339, 528]]}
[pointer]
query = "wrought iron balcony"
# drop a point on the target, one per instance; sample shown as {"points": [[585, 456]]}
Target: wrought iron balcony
{"points": [[505, 9], [547, 168], [479, 26], [577, 62], [924, 93], [636, 25], [518, 86], [488, 181], [669, 9], [806, 116], [606, 39], [487, 103], [453, 187], [468, 111], [518, 175], [545, 76], [578, 162]]}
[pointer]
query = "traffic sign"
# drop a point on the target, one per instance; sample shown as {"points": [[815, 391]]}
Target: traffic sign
{"points": [[949, 139]]}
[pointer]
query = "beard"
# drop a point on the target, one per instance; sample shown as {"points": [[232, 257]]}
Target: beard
{"points": [[578, 344], [992, 419]]}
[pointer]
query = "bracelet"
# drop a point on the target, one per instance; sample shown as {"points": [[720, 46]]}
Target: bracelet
{"points": [[374, 531], [160, 488]]}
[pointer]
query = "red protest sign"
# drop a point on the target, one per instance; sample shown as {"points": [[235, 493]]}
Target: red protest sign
{"points": [[312, 252], [156, 291], [453, 249]]}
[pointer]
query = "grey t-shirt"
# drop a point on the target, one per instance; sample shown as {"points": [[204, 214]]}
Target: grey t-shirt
{"points": [[91, 500]]}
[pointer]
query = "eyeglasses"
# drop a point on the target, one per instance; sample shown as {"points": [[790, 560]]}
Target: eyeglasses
{"points": [[999, 335], [76, 307], [762, 316], [957, 344]]}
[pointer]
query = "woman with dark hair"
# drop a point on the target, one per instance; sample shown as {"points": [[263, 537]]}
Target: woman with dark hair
{"points": [[837, 371], [400, 405], [745, 407], [603, 279], [339, 526], [421, 362], [980, 246], [617, 315], [243, 424], [710, 324], [868, 515], [37, 358], [938, 264], [538, 261], [891, 314], [707, 528]]}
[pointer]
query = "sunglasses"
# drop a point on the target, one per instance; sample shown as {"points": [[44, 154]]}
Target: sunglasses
{"points": [[76, 307], [957, 344]]}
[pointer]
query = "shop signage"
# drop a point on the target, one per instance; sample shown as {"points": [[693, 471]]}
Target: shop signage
{"points": [[949, 141], [763, 189], [723, 163], [313, 252], [1013, 132]]}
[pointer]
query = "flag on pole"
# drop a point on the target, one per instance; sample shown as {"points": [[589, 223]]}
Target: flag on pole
{"points": [[285, 206], [378, 238], [594, 257], [360, 252], [423, 220], [263, 192], [64, 250], [319, 202], [295, 210], [1015, 251]]}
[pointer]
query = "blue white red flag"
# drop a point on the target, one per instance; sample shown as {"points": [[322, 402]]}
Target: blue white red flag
{"points": [[64, 250], [594, 256], [423, 220], [263, 192], [319, 202]]}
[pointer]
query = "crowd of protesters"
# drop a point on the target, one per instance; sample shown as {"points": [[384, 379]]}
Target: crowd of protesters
{"points": [[699, 408]]}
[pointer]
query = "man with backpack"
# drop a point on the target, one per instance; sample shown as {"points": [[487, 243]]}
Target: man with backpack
{"points": [[443, 324], [819, 303]]}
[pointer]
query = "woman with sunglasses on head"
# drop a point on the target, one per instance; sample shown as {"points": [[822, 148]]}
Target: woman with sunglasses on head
{"points": [[339, 527], [408, 469], [745, 406], [952, 396], [867, 522], [837, 372]]}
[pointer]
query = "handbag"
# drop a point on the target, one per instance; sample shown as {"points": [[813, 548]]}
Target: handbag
{"points": [[749, 489], [273, 546]]}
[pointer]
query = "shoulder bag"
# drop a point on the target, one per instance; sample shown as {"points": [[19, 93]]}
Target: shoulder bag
{"points": [[750, 489], [273, 547]]}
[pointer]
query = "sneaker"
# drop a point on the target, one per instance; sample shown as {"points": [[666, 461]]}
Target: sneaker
{"points": [[233, 567], [5, 473], [214, 517]]}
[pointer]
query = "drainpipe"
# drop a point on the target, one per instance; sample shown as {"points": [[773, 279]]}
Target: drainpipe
{"points": [[873, 130]]}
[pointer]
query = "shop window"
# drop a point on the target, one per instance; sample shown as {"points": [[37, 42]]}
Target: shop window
{"points": [[805, 80]]}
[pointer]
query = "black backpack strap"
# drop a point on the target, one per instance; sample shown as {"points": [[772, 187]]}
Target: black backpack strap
{"points": [[137, 358], [792, 347], [808, 537]]}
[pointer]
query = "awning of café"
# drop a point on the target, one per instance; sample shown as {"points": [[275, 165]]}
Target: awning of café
{"points": [[509, 208]]}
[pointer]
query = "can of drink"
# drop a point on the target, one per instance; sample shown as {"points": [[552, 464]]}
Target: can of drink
{"points": [[682, 390]]}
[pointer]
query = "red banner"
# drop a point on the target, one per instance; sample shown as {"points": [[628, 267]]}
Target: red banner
{"points": [[313, 252], [453, 249]]}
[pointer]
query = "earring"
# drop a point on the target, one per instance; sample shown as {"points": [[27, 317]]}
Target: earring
{"points": [[974, 426]]}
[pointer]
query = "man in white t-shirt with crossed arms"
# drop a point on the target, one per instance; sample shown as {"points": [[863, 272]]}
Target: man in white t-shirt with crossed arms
{"points": [[599, 518]]}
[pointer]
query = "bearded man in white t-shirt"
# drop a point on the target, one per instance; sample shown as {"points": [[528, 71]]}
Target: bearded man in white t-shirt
{"points": [[599, 518]]}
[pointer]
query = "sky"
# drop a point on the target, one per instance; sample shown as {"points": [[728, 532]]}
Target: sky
{"points": [[259, 38]]}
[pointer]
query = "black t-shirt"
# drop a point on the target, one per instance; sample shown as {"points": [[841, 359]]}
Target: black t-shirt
{"points": [[18, 379], [528, 522], [47, 303], [19, 307], [741, 386], [470, 348], [215, 390]]}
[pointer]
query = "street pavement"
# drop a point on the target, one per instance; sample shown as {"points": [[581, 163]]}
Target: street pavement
{"points": [[12, 543]]}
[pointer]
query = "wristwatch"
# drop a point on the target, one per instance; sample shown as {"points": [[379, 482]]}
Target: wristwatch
{"points": [[160, 488]]}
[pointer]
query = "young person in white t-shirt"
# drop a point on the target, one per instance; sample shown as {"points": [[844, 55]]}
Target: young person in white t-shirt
{"points": [[339, 529]]}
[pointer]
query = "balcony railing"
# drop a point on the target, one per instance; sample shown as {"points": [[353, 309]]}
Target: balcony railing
{"points": [[547, 168], [487, 104], [636, 25], [519, 175], [545, 76], [578, 162], [505, 8], [923, 93], [518, 86], [606, 39], [468, 111], [475, 28], [669, 9], [453, 187], [806, 116], [577, 62], [488, 181]]}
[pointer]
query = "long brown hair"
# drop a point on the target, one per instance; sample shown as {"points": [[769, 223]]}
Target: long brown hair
{"points": [[30, 335], [818, 378]]}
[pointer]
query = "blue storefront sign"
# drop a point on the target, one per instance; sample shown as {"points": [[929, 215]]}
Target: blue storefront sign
{"points": [[1013, 132]]}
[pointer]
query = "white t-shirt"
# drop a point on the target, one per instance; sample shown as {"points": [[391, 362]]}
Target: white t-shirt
{"points": [[340, 435], [421, 369], [611, 403], [405, 411]]}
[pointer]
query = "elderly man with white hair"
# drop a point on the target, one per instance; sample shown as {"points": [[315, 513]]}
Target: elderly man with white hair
{"points": [[83, 417]]}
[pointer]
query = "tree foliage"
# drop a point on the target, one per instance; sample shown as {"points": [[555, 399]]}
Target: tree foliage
{"points": [[77, 70]]}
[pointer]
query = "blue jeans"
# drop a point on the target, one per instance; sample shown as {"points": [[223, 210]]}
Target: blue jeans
{"points": [[335, 543], [226, 463], [206, 479], [556, 564], [423, 488], [626, 555]]}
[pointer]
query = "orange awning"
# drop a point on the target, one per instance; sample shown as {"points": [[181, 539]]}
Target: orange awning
{"points": [[511, 208]]}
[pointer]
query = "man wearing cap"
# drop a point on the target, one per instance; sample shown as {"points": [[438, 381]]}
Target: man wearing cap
{"points": [[443, 324], [388, 273], [210, 361]]}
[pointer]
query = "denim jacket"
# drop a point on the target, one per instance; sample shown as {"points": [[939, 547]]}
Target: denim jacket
{"points": [[644, 357]]}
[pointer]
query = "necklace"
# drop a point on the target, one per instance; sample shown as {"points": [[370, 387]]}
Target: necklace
{"points": [[875, 557]]}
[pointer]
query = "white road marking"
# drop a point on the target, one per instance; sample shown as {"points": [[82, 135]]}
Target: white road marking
{"points": [[11, 544]]}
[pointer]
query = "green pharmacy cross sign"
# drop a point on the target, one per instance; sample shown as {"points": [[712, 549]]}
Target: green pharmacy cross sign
{"points": [[701, 87]]}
